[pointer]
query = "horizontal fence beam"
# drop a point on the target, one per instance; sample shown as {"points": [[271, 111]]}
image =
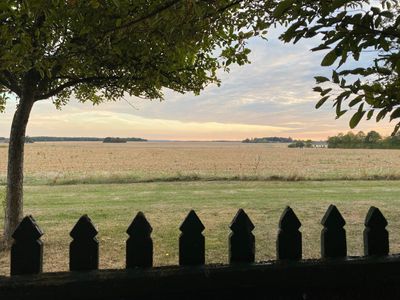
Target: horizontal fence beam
{"points": [[350, 278]]}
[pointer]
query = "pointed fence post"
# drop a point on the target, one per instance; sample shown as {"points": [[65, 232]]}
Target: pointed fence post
{"points": [[139, 246], [191, 241], [84, 249], [27, 249], [333, 235], [241, 240], [376, 237], [289, 244]]}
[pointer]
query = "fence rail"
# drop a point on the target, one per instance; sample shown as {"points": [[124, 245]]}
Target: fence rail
{"points": [[289, 277]]}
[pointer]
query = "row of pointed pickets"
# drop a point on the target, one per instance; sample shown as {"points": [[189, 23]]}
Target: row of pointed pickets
{"points": [[27, 249]]}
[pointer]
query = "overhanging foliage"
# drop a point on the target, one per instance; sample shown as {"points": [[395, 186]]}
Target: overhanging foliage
{"points": [[349, 31]]}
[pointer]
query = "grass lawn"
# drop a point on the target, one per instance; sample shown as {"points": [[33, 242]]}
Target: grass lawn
{"points": [[112, 207]]}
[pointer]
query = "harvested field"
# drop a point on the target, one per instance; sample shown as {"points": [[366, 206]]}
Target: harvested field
{"points": [[94, 162]]}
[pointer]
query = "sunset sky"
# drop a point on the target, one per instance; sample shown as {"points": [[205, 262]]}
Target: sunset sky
{"points": [[272, 96]]}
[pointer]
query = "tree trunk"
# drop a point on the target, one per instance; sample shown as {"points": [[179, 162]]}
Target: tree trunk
{"points": [[14, 198]]}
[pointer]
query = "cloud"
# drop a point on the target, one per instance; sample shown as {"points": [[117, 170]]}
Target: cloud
{"points": [[272, 95], [101, 123]]}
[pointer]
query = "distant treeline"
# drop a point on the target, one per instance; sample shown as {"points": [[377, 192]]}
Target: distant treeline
{"points": [[77, 139], [273, 139], [114, 140], [64, 139], [371, 140], [301, 144], [133, 139], [32, 139]]}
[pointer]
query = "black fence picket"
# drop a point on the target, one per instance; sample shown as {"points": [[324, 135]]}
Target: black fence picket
{"points": [[376, 237], [27, 249], [333, 235], [191, 241], [139, 246], [241, 240], [289, 243], [84, 249]]}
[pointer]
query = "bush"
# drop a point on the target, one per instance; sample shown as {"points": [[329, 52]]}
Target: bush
{"points": [[298, 144], [371, 140], [114, 140]]}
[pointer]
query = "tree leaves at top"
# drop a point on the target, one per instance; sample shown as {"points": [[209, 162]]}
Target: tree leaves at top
{"points": [[101, 49], [348, 31]]}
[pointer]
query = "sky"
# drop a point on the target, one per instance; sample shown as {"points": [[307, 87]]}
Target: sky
{"points": [[272, 96]]}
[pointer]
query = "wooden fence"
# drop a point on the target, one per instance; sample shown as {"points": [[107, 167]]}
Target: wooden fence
{"points": [[335, 276]]}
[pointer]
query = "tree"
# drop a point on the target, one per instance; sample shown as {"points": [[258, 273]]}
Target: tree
{"points": [[360, 136], [308, 144], [350, 30], [371, 140], [101, 50], [373, 137], [393, 142], [297, 144], [114, 140]]}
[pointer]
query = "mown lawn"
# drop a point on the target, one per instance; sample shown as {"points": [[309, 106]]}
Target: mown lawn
{"points": [[112, 207]]}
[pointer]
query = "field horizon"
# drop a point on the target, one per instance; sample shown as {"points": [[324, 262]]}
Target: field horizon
{"points": [[66, 163]]}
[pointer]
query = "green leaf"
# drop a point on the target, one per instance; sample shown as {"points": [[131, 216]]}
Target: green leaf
{"points": [[282, 7], [356, 119], [370, 114], [320, 47], [387, 14], [324, 92], [356, 100], [335, 77], [396, 129], [395, 114], [321, 79], [329, 59], [116, 3], [344, 95], [321, 102], [340, 113], [317, 89], [381, 115]]}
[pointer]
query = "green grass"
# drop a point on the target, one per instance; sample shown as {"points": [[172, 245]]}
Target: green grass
{"points": [[112, 207], [126, 178]]}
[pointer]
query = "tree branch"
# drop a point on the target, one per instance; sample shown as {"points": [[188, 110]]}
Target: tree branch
{"points": [[164, 7], [228, 6], [4, 82], [167, 6], [12, 83], [74, 81]]}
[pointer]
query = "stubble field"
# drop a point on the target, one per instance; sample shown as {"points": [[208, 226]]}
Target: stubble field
{"points": [[95, 162]]}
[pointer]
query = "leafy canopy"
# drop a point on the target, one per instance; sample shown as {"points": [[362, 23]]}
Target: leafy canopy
{"points": [[101, 49], [362, 40]]}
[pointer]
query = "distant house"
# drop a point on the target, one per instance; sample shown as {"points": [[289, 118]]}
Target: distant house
{"points": [[320, 144]]}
